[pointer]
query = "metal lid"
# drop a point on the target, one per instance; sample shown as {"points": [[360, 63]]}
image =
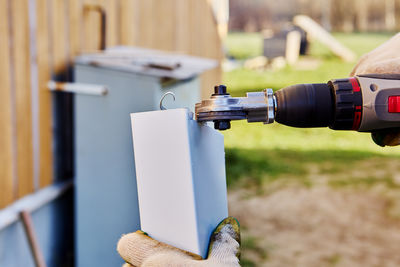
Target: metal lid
{"points": [[148, 62]]}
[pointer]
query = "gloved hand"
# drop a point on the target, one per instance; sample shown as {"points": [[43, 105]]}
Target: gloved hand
{"points": [[138, 249], [384, 59]]}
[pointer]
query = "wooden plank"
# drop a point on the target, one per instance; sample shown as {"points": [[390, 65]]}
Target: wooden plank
{"points": [[293, 42], [209, 79], [128, 22], [146, 23], [45, 111], [182, 43], [111, 8], [59, 36], [91, 25], [212, 47], [197, 27], [320, 34], [75, 15], [164, 21], [6, 138], [205, 42], [21, 58]]}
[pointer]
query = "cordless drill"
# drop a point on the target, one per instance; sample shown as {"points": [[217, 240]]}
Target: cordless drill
{"points": [[362, 103]]}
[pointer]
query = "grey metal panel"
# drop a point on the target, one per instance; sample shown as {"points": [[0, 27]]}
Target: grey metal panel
{"points": [[209, 181], [54, 230], [106, 194], [14, 248]]}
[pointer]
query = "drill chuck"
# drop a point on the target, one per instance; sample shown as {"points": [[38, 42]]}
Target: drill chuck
{"points": [[304, 105], [336, 104]]}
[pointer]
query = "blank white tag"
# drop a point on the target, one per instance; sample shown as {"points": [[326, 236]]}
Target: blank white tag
{"points": [[181, 181]]}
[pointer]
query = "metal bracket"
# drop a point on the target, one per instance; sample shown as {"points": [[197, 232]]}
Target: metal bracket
{"points": [[255, 107]]}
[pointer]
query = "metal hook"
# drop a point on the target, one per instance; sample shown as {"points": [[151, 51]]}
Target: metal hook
{"points": [[162, 99]]}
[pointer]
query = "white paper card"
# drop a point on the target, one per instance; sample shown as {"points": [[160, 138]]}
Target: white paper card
{"points": [[181, 181]]}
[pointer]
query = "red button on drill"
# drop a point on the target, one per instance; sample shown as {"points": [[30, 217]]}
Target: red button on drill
{"points": [[394, 104]]}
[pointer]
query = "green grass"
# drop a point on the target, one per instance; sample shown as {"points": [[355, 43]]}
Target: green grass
{"points": [[256, 167], [247, 263], [261, 153], [275, 136], [244, 45]]}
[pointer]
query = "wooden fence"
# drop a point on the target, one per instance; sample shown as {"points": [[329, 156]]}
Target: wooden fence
{"points": [[38, 41]]}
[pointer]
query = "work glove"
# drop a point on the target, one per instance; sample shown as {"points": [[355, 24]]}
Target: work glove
{"points": [[138, 249], [384, 59]]}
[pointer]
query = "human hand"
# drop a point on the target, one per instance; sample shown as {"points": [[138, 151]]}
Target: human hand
{"points": [[385, 59], [138, 249]]}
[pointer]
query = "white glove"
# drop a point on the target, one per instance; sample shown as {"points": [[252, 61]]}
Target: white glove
{"points": [[138, 249], [383, 59]]}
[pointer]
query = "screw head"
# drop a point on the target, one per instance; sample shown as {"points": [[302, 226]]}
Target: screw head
{"points": [[222, 125], [220, 90]]}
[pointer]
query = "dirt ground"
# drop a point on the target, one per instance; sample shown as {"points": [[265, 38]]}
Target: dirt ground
{"points": [[321, 225]]}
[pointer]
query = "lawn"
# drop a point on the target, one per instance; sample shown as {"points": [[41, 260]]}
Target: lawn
{"points": [[309, 197], [266, 151]]}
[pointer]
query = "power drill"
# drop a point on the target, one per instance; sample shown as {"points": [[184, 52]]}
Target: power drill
{"points": [[363, 103]]}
